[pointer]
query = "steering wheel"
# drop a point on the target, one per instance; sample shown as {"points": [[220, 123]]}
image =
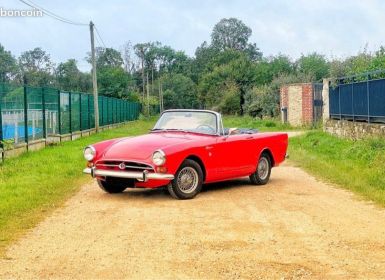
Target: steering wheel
{"points": [[206, 127]]}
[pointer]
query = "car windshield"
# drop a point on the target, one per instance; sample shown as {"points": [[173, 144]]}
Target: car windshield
{"points": [[199, 122]]}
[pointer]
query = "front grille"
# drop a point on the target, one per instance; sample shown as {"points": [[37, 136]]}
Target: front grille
{"points": [[129, 165]]}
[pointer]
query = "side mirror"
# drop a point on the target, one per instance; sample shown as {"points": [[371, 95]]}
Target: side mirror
{"points": [[232, 131]]}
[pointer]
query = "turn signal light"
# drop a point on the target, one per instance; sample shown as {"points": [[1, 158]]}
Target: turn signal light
{"points": [[161, 169], [90, 164]]}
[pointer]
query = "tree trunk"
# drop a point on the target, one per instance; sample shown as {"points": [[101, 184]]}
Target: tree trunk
{"points": [[241, 101]]}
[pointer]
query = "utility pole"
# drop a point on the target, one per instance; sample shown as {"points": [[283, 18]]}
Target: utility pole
{"points": [[148, 96], [94, 80]]}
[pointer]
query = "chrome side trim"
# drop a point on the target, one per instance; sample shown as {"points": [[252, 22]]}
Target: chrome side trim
{"points": [[140, 176]]}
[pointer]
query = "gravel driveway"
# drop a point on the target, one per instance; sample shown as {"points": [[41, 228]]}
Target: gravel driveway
{"points": [[295, 227]]}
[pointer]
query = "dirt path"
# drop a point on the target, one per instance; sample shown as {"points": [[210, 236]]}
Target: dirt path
{"points": [[293, 228]]}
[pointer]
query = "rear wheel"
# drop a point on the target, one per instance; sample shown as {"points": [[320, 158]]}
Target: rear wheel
{"points": [[114, 185], [187, 182], [262, 175]]}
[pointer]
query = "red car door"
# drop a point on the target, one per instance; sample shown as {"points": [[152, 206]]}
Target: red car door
{"points": [[231, 156]]}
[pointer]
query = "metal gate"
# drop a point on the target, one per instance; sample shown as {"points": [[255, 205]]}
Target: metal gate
{"points": [[317, 102]]}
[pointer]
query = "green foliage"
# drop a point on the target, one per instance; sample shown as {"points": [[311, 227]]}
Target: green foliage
{"points": [[69, 77], [232, 33], [314, 65], [36, 68], [8, 65], [113, 81], [7, 144], [179, 91], [355, 165], [262, 101]]}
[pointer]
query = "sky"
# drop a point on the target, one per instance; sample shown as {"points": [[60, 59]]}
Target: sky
{"points": [[334, 28]]}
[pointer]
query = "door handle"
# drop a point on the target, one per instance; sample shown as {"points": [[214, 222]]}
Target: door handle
{"points": [[250, 137], [209, 147]]}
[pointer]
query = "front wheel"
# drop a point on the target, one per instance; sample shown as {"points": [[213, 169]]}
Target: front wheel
{"points": [[262, 175], [187, 182]]}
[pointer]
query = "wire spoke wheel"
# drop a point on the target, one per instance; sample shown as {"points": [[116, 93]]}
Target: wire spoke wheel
{"points": [[187, 180], [262, 173], [263, 168]]}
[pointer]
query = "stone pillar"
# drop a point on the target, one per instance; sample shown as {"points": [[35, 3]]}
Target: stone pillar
{"points": [[325, 100]]}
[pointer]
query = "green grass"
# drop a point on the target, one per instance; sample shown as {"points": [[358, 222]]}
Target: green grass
{"points": [[261, 125], [35, 183], [355, 165]]}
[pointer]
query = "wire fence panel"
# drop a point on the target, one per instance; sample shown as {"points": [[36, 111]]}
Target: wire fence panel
{"points": [[75, 111], [91, 111], [51, 111], [84, 112], [32, 113], [35, 127], [65, 114], [12, 113]]}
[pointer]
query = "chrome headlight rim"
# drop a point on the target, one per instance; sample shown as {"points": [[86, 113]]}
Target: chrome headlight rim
{"points": [[89, 156], [162, 158]]}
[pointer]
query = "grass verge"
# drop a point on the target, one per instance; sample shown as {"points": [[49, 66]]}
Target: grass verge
{"points": [[355, 165], [35, 183]]}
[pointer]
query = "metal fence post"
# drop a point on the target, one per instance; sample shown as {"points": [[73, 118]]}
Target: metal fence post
{"points": [[367, 96], [353, 100], [44, 117], [339, 99], [1, 119], [80, 111], [58, 111], [25, 116], [70, 111]]}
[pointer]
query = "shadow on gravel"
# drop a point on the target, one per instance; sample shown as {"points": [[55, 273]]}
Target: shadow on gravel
{"points": [[162, 193]]}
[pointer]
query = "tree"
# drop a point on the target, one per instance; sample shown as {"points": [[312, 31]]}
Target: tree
{"points": [[69, 77], [36, 68], [141, 51], [113, 81], [127, 56], [8, 65], [179, 92], [108, 57], [228, 82], [313, 64], [233, 34]]}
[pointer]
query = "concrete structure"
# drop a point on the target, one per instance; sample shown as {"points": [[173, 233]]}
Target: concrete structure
{"points": [[325, 99], [297, 104]]}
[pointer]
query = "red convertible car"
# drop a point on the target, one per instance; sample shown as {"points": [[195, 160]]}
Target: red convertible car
{"points": [[185, 149]]}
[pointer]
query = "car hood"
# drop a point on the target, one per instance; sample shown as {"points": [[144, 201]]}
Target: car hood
{"points": [[142, 147]]}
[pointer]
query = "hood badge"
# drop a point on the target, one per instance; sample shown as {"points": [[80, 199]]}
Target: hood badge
{"points": [[122, 166]]}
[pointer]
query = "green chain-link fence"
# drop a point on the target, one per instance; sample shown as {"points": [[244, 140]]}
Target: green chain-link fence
{"points": [[29, 113]]}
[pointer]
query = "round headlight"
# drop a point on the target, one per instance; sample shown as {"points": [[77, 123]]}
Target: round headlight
{"points": [[89, 153], [158, 158]]}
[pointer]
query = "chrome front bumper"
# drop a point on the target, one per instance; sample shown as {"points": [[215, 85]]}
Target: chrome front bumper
{"points": [[140, 176]]}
